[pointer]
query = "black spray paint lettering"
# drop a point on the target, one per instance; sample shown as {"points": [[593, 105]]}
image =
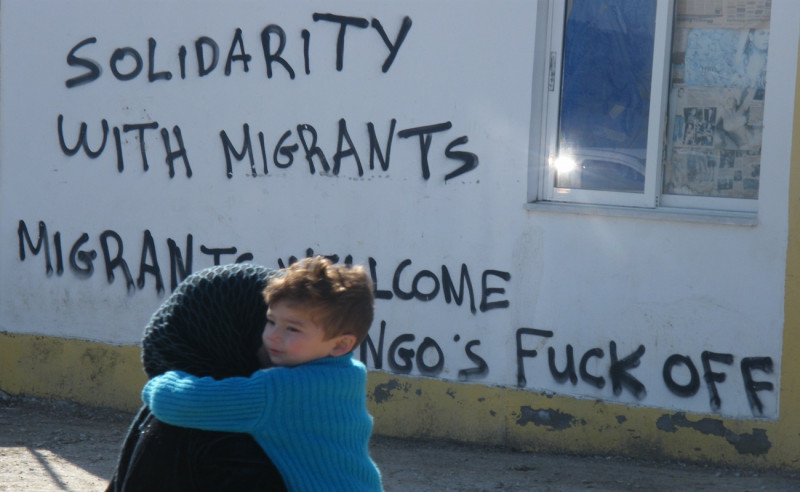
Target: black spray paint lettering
{"points": [[82, 256], [597, 381], [140, 129], [622, 379], [425, 285], [522, 353], [127, 63], [618, 370], [692, 386], [711, 377], [404, 355], [425, 134], [688, 389], [748, 365], [282, 153], [408, 286]]}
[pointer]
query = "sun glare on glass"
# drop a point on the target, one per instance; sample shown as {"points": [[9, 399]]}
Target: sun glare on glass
{"points": [[565, 164]]}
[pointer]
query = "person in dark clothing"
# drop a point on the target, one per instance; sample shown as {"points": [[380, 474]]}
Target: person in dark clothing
{"points": [[210, 325], [309, 411]]}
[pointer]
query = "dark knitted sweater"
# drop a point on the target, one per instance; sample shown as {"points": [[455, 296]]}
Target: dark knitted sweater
{"points": [[209, 326]]}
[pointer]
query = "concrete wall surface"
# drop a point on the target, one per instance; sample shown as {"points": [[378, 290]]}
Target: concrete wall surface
{"points": [[141, 141]]}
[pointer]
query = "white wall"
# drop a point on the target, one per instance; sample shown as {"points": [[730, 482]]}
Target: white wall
{"points": [[586, 281]]}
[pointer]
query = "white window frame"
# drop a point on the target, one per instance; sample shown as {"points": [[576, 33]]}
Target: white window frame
{"points": [[542, 192]]}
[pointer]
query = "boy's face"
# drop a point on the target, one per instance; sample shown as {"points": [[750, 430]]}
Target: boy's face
{"points": [[291, 337]]}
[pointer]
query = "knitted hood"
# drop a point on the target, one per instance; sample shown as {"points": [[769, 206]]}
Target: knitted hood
{"points": [[210, 325]]}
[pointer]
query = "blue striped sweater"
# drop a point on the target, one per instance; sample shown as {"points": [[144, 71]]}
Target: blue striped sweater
{"points": [[311, 419]]}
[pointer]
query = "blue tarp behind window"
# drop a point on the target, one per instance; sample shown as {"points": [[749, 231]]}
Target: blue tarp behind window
{"points": [[608, 61]]}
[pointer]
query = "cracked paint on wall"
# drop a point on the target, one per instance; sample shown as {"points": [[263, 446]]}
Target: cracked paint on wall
{"points": [[554, 419], [756, 443]]}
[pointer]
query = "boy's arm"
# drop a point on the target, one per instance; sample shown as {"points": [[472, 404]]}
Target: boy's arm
{"points": [[231, 404]]}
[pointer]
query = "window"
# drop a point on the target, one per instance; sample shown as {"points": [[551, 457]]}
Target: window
{"points": [[654, 104]]}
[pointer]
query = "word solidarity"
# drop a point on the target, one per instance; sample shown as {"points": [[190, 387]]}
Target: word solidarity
{"points": [[263, 150], [127, 63]]}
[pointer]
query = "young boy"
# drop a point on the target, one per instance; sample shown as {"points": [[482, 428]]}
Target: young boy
{"points": [[309, 412]]}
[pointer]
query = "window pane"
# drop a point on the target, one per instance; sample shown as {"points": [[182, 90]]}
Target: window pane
{"points": [[605, 96], [716, 102]]}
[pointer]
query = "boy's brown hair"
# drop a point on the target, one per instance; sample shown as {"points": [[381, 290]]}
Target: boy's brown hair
{"points": [[338, 297]]}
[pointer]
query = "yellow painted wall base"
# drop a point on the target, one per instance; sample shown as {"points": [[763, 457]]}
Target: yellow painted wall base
{"points": [[111, 376], [555, 424], [84, 372]]}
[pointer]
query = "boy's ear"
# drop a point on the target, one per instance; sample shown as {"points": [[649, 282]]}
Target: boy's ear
{"points": [[344, 345]]}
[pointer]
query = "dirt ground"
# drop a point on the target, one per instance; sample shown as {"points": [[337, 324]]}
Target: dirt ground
{"points": [[51, 446]]}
